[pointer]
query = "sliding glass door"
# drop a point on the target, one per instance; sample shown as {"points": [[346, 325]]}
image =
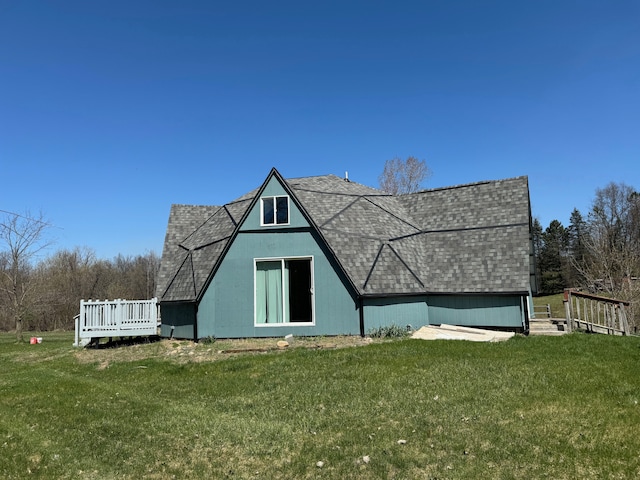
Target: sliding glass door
{"points": [[283, 291]]}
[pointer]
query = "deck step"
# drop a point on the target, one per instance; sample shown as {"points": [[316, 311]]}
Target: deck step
{"points": [[547, 326]]}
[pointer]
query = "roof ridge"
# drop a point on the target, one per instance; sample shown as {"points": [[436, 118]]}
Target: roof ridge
{"points": [[200, 247], [406, 265], [340, 212], [406, 222], [384, 244], [459, 229], [195, 205], [463, 185], [324, 192], [334, 176], [357, 235], [193, 233], [239, 200], [373, 266], [313, 176]]}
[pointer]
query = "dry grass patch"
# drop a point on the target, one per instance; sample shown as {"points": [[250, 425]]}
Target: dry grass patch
{"points": [[185, 351]]}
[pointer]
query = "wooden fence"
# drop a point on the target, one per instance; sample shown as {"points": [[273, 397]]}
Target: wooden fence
{"points": [[595, 313], [115, 318]]}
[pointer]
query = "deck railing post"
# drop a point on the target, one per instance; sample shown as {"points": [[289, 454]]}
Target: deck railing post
{"points": [[77, 322], [83, 315], [624, 321], [567, 309], [119, 314]]}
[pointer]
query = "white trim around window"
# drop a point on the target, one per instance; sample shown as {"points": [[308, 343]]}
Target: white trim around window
{"points": [[275, 211], [283, 287]]}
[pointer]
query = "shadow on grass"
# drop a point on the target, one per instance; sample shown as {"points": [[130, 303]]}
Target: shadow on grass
{"points": [[122, 342]]}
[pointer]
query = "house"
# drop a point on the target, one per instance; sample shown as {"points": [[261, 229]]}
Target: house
{"points": [[327, 256]]}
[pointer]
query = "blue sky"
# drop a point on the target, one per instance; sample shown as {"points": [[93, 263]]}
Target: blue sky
{"points": [[110, 111]]}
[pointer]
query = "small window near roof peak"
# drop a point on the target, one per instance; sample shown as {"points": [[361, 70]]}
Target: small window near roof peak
{"points": [[275, 210]]}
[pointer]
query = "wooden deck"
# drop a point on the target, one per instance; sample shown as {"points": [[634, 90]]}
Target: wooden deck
{"points": [[115, 318]]}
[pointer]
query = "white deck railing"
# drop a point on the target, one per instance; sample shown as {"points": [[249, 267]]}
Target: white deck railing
{"points": [[116, 318]]}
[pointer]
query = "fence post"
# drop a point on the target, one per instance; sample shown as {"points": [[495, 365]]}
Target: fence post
{"points": [[119, 313], [567, 309], [624, 321]]}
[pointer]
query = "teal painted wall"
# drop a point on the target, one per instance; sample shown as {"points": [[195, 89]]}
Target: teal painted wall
{"points": [[182, 316], [401, 311], [227, 308], [273, 188], [476, 310], [417, 311]]}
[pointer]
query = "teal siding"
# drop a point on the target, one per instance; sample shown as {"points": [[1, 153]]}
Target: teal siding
{"points": [[181, 316], [472, 311], [401, 311], [273, 188], [227, 307], [477, 310]]}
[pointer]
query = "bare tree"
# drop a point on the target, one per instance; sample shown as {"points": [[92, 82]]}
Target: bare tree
{"points": [[22, 237], [67, 276], [403, 176], [614, 237], [134, 277], [611, 264]]}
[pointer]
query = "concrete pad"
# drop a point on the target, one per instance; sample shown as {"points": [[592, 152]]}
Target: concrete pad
{"points": [[452, 332]]}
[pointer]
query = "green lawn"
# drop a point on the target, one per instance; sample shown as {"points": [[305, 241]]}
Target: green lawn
{"points": [[554, 407]]}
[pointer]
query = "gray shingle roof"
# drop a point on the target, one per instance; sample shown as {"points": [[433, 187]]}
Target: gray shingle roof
{"points": [[465, 239], [183, 220]]}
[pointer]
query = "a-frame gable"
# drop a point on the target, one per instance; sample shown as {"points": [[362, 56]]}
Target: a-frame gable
{"points": [[273, 187]]}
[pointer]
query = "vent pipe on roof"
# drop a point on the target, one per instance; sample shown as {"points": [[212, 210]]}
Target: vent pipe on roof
{"points": [[346, 176]]}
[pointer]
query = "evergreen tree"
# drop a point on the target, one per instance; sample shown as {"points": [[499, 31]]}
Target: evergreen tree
{"points": [[553, 258], [577, 238], [536, 235]]}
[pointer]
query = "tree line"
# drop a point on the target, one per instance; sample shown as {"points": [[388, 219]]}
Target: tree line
{"points": [[42, 293], [599, 252]]}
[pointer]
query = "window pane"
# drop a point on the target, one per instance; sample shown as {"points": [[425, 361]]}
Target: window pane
{"points": [[267, 211], [283, 291], [298, 272], [269, 292], [282, 209]]}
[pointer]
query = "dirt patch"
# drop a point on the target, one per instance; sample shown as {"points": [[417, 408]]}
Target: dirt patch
{"points": [[184, 351]]}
